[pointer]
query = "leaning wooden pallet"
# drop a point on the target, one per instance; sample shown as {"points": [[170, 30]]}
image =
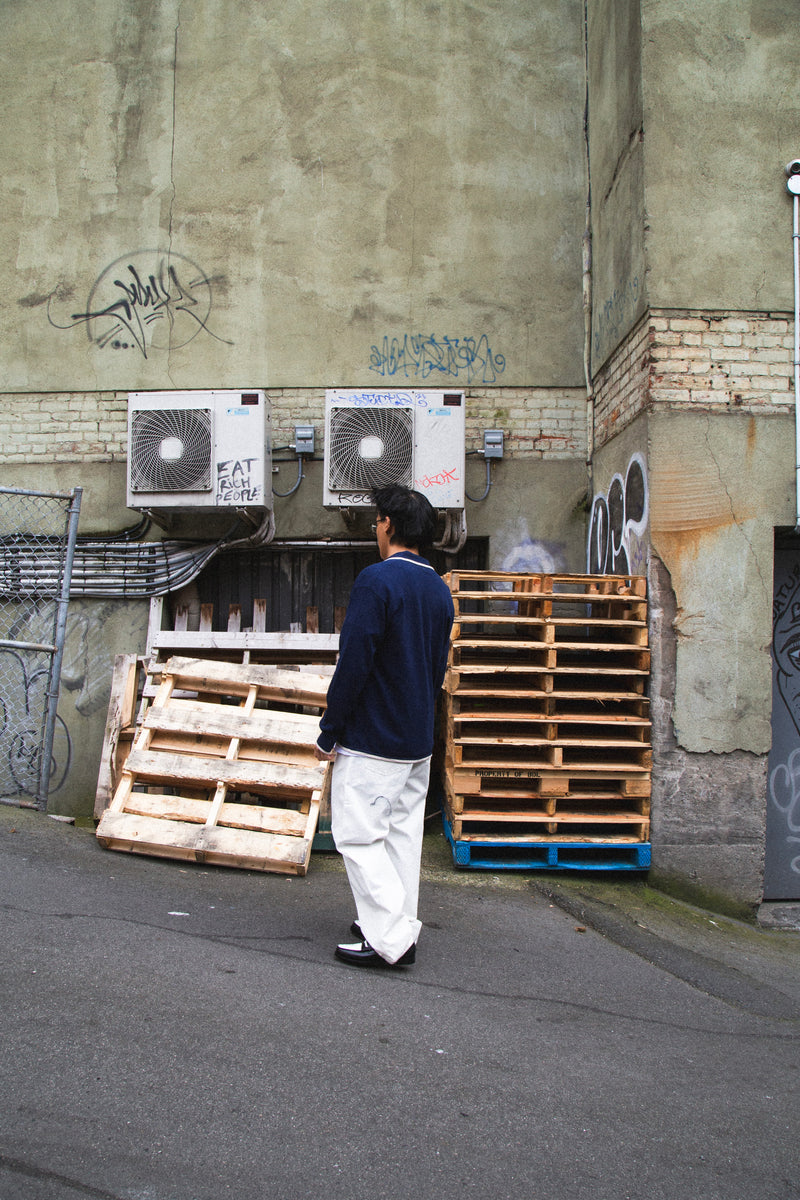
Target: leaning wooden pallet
{"points": [[136, 678], [222, 768], [545, 727]]}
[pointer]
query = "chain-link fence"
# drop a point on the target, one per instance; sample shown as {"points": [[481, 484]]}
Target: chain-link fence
{"points": [[38, 531]]}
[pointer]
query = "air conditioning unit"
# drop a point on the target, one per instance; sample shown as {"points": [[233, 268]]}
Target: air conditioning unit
{"points": [[376, 438], [199, 450]]}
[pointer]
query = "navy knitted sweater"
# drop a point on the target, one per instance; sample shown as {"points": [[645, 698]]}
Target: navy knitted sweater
{"points": [[392, 658]]}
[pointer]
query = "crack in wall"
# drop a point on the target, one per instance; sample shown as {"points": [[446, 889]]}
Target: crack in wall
{"points": [[740, 524]]}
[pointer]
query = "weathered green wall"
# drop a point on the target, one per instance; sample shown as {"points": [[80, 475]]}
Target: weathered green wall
{"points": [[616, 162], [328, 182], [721, 119], [693, 114]]}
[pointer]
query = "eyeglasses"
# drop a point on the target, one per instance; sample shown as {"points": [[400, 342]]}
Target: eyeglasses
{"points": [[375, 524]]}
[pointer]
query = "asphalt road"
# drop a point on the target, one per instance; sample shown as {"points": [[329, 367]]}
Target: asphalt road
{"points": [[178, 1032]]}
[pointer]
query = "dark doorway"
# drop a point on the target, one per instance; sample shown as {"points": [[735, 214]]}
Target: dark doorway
{"points": [[782, 859], [293, 577]]}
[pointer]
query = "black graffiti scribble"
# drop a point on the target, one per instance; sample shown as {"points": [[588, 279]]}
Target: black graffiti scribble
{"points": [[234, 482], [146, 300], [22, 710], [616, 517], [786, 654]]}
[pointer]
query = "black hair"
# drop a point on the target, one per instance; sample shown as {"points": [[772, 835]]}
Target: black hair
{"points": [[412, 514]]}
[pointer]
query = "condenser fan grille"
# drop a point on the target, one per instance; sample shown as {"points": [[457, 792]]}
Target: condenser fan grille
{"points": [[370, 447], [171, 450]]}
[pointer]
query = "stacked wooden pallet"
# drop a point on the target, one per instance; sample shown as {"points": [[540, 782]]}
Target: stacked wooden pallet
{"points": [[545, 724], [221, 768]]}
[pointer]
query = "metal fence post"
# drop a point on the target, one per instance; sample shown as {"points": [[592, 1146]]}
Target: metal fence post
{"points": [[58, 657]]}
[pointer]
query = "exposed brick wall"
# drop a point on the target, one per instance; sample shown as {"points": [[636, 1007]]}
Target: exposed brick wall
{"points": [[672, 358], [621, 389], [74, 427], [686, 360], [539, 423]]}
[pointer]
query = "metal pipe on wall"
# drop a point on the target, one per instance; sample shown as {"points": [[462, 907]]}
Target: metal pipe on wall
{"points": [[793, 186]]}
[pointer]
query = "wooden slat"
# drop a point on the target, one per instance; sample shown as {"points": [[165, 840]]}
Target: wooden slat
{"points": [[612, 832], [532, 816], [244, 774], [141, 742], [286, 821], [566, 743], [207, 745], [273, 683], [555, 622], [224, 846], [305, 643], [259, 616], [270, 727], [119, 723], [520, 715]]}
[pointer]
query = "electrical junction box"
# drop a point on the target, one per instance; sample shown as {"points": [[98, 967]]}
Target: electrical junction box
{"points": [[375, 438], [492, 443]]}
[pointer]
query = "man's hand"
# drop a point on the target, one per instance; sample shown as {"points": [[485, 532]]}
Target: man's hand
{"points": [[321, 755]]}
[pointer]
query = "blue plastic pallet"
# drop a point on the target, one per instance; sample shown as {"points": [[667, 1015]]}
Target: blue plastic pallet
{"points": [[502, 855]]}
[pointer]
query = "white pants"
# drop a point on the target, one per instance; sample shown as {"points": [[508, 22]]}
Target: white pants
{"points": [[377, 820]]}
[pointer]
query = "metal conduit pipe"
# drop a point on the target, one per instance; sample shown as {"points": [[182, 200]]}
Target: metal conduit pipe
{"points": [[793, 186], [114, 568]]}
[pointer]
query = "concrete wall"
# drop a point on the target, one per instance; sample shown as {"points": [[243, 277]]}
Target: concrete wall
{"points": [[304, 194], [718, 486], [291, 197], [693, 113], [616, 171], [699, 521], [96, 632], [721, 120]]}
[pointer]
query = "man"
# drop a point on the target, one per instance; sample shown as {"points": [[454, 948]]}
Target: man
{"points": [[378, 727]]}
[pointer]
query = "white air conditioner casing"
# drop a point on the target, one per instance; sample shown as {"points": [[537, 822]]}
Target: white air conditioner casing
{"points": [[374, 438], [199, 450]]}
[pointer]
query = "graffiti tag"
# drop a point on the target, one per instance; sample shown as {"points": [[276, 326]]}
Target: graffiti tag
{"points": [[393, 399], [145, 301], [421, 357], [784, 791], [438, 480], [618, 521], [613, 312], [786, 646], [235, 484], [22, 709]]}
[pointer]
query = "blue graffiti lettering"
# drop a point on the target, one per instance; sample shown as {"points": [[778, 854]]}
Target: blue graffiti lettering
{"points": [[421, 357]]}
